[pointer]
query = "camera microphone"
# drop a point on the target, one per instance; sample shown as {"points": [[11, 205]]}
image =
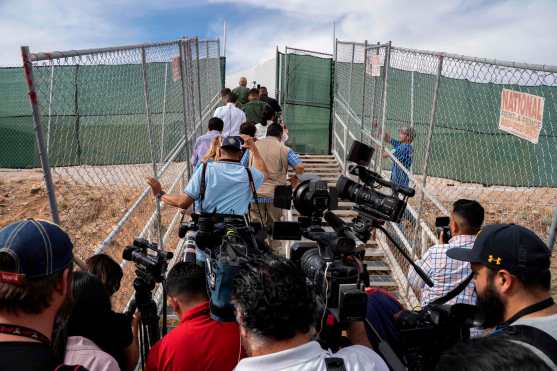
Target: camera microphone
{"points": [[340, 227]]}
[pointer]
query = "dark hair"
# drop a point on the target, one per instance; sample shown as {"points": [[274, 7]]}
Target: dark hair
{"points": [[275, 130], [471, 212], [107, 270], [268, 114], [33, 296], [216, 123], [225, 91], [248, 128], [186, 279], [228, 94], [90, 316], [273, 299], [540, 280], [490, 353], [262, 87], [253, 91]]}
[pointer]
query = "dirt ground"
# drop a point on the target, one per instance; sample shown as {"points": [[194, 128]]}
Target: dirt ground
{"points": [[87, 213]]}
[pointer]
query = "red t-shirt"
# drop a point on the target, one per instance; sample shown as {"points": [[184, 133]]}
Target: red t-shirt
{"points": [[197, 343]]}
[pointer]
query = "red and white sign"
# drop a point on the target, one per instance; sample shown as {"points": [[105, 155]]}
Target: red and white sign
{"points": [[176, 69], [521, 114], [375, 62]]}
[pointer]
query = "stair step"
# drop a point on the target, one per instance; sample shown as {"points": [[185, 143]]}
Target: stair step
{"points": [[374, 253], [381, 280], [377, 266]]}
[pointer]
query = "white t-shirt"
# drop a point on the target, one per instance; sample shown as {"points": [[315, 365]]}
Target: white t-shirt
{"points": [[311, 357], [232, 117]]}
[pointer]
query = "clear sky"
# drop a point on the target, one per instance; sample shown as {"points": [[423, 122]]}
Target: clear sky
{"points": [[521, 30]]}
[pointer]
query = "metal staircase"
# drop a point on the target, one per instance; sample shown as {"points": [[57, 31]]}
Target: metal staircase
{"points": [[328, 169]]}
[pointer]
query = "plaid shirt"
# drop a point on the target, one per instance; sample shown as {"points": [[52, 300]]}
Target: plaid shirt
{"points": [[446, 273]]}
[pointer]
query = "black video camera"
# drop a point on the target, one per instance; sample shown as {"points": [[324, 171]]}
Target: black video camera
{"points": [[150, 265], [332, 263], [442, 325], [370, 203]]}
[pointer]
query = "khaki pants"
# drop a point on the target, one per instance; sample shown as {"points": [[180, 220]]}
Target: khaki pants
{"points": [[270, 214]]}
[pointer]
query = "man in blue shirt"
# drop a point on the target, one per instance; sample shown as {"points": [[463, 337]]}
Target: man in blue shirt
{"points": [[403, 153], [203, 143], [227, 183]]}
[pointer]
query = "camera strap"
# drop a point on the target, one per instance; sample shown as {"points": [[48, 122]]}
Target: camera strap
{"points": [[454, 292], [528, 310], [535, 337], [202, 187]]}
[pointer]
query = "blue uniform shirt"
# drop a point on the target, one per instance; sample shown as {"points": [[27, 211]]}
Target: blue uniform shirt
{"points": [[227, 188], [403, 153]]}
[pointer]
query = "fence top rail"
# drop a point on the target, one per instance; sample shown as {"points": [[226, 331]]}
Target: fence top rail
{"points": [[306, 51], [350, 43], [36, 57], [496, 62]]}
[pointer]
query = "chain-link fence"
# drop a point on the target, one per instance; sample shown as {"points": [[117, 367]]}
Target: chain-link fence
{"points": [[304, 90], [106, 119], [454, 104]]}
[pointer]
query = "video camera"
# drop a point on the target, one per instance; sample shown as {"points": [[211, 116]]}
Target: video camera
{"points": [[151, 264]]}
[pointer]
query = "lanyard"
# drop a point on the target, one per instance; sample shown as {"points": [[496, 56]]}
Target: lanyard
{"points": [[25, 332], [528, 310]]}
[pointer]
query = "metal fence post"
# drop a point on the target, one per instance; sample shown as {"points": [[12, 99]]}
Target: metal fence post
{"points": [[412, 99], [286, 78], [28, 70], [363, 94], [161, 158], [183, 62], [182, 47], [552, 231], [76, 111], [334, 147], [277, 73], [151, 142], [384, 113], [428, 150], [200, 109]]}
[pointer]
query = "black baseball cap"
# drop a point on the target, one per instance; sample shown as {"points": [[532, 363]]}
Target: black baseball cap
{"points": [[506, 246], [39, 248], [232, 142]]}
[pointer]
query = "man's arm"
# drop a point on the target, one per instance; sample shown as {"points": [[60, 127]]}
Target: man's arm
{"points": [[182, 200], [416, 281], [295, 162]]}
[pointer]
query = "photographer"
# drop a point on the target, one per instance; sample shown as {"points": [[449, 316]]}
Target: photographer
{"points": [[227, 182], [512, 276], [275, 310], [198, 342], [466, 220]]}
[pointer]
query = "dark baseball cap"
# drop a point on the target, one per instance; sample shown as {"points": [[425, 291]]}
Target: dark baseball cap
{"points": [[506, 246], [232, 142], [39, 248]]}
